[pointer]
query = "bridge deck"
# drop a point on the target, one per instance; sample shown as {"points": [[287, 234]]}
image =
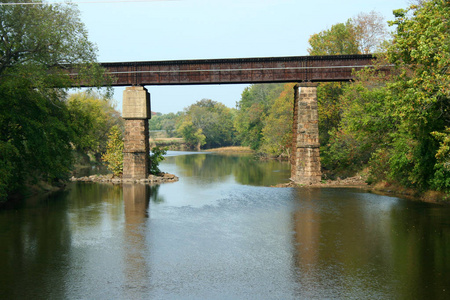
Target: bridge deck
{"points": [[243, 70]]}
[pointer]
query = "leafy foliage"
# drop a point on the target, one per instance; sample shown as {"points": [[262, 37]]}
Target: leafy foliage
{"points": [[362, 34], [399, 124], [339, 39], [208, 123], [252, 109], [156, 157], [37, 43], [166, 122], [277, 130], [114, 151], [193, 137], [92, 119], [420, 93]]}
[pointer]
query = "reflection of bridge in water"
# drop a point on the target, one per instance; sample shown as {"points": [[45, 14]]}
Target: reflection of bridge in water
{"points": [[306, 70]]}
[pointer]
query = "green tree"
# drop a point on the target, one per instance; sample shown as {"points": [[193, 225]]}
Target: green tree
{"points": [[251, 112], [193, 136], [114, 151], [420, 93], [37, 43], [339, 39], [277, 131], [399, 123], [166, 122], [92, 119], [362, 34], [365, 126], [155, 158], [209, 119]]}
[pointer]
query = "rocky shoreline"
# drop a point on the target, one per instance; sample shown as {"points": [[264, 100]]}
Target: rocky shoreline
{"points": [[356, 181], [109, 178]]}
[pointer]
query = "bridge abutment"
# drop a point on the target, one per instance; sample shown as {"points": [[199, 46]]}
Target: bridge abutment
{"points": [[136, 112], [305, 159]]}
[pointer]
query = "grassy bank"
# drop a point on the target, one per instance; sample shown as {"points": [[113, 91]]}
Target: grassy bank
{"points": [[170, 143], [232, 149]]}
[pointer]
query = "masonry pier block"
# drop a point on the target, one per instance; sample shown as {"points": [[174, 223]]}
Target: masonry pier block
{"points": [[305, 158], [136, 112]]}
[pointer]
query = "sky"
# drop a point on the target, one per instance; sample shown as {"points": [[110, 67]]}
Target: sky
{"points": [[205, 29]]}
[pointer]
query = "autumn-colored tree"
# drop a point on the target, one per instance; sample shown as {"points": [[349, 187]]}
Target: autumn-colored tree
{"points": [[370, 31], [277, 131], [362, 34], [114, 151], [92, 119]]}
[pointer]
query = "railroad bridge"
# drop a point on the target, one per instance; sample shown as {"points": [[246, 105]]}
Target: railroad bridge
{"points": [[307, 71]]}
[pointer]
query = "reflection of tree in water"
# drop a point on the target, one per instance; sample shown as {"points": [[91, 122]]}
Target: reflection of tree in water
{"points": [[213, 167], [154, 194], [245, 168], [250, 171], [31, 241], [421, 248], [356, 238], [92, 194]]}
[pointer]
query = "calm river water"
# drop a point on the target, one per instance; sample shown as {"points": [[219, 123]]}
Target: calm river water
{"points": [[221, 233]]}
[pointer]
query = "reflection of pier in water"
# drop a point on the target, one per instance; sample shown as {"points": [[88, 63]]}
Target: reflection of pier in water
{"points": [[136, 199]]}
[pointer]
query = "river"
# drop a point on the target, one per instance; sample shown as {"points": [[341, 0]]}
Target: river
{"points": [[222, 232]]}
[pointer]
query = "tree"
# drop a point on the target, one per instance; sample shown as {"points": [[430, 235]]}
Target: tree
{"points": [[420, 93], [363, 34], [155, 158], [36, 44], [193, 136], [92, 119], [166, 122], [399, 123], [114, 151], [207, 123], [365, 125], [251, 111], [277, 131], [341, 38], [370, 31]]}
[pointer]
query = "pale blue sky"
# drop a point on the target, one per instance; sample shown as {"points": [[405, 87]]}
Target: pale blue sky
{"points": [[197, 29]]}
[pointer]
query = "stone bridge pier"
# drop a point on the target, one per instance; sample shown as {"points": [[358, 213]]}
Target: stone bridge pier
{"points": [[136, 112], [305, 158]]}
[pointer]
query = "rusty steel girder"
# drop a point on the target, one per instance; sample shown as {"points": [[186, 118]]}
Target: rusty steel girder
{"points": [[238, 70]]}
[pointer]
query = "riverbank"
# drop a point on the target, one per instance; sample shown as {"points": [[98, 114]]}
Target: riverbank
{"points": [[232, 150], [381, 188], [109, 178], [353, 182], [436, 197]]}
